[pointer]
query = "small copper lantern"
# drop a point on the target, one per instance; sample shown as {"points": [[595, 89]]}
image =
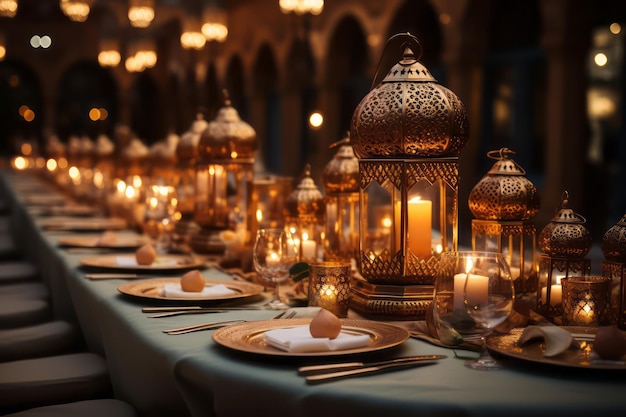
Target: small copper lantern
{"points": [[341, 182], [407, 133], [185, 178], [267, 200], [503, 202], [565, 242], [225, 157], [614, 268], [305, 218]]}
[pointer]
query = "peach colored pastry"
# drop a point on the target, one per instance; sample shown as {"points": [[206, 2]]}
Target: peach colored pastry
{"points": [[146, 254], [610, 343], [325, 324], [192, 281]]}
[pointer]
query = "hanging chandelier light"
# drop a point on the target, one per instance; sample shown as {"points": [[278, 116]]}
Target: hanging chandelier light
{"points": [[109, 55], [215, 27], [77, 11], [8, 8], [301, 7], [192, 36], [140, 13]]}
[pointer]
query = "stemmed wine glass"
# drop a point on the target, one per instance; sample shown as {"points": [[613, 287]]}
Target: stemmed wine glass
{"points": [[488, 297], [160, 215], [273, 254]]}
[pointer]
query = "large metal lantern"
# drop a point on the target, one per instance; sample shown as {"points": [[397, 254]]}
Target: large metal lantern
{"points": [[407, 133], [614, 268], [503, 202], [225, 161], [341, 183], [565, 242], [304, 218]]}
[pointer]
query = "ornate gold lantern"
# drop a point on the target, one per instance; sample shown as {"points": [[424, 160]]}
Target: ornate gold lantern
{"points": [[565, 242], [224, 169], [341, 182], [304, 218], [267, 200], [503, 202], [185, 179], [407, 133], [614, 268]]}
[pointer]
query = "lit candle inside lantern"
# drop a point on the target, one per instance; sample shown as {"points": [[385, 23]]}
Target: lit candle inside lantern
{"points": [[420, 224], [328, 297], [556, 294], [308, 247]]}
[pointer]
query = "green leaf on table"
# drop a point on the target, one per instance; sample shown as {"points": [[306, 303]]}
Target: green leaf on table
{"points": [[299, 271]]}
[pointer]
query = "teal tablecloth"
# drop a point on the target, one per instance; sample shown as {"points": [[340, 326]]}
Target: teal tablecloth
{"points": [[164, 375]]}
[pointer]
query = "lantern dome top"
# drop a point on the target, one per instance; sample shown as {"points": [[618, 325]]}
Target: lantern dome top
{"points": [[614, 242], [341, 173], [227, 137], [409, 114], [566, 234], [504, 193], [306, 199]]}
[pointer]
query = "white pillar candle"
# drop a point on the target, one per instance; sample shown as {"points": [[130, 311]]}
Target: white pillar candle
{"points": [[308, 249], [556, 294], [272, 260], [476, 290]]}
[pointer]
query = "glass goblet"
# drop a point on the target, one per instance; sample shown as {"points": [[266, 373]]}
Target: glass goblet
{"points": [[452, 324], [160, 215], [488, 297], [273, 254]]}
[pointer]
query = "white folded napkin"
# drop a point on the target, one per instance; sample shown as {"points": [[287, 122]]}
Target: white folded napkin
{"points": [[174, 290], [556, 340], [132, 261], [299, 340]]}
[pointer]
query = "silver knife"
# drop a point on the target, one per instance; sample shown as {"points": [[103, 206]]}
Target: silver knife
{"points": [[345, 366], [364, 371]]}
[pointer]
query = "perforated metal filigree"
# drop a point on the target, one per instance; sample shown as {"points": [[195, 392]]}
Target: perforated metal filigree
{"points": [[614, 242], [504, 193], [566, 235]]}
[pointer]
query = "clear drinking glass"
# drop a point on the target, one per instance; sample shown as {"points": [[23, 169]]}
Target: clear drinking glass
{"points": [[273, 254], [488, 296], [160, 215]]}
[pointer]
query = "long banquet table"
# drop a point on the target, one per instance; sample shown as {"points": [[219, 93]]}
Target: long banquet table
{"points": [[164, 375]]}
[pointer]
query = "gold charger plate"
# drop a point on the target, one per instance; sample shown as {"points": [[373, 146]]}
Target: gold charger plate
{"points": [[162, 263], [151, 289], [249, 337], [533, 350], [82, 223], [81, 241]]}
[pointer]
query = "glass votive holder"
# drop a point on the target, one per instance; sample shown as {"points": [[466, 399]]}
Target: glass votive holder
{"points": [[586, 300], [329, 286]]}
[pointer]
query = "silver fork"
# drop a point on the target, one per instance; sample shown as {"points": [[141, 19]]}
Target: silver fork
{"points": [[217, 324]]}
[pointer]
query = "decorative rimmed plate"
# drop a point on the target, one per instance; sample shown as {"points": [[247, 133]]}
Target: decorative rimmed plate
{"points": [[151, 289], [80, 241], [71, 210], [82, 223], [533, 350], [127, 262], [249, 337]]}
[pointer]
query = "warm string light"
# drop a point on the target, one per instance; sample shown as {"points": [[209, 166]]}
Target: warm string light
{"points": [[214, 27]]}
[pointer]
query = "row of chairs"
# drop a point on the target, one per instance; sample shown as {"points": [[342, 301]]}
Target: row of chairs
{"points": [[45, 369]]}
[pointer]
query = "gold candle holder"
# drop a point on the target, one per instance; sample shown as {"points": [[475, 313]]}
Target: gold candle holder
{"points": [[329, 286], [586, 300]]}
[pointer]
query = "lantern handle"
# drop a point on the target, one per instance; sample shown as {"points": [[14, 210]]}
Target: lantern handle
{"points": [[344, 141], [563, 205], [505, 153], [408, 38]]}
